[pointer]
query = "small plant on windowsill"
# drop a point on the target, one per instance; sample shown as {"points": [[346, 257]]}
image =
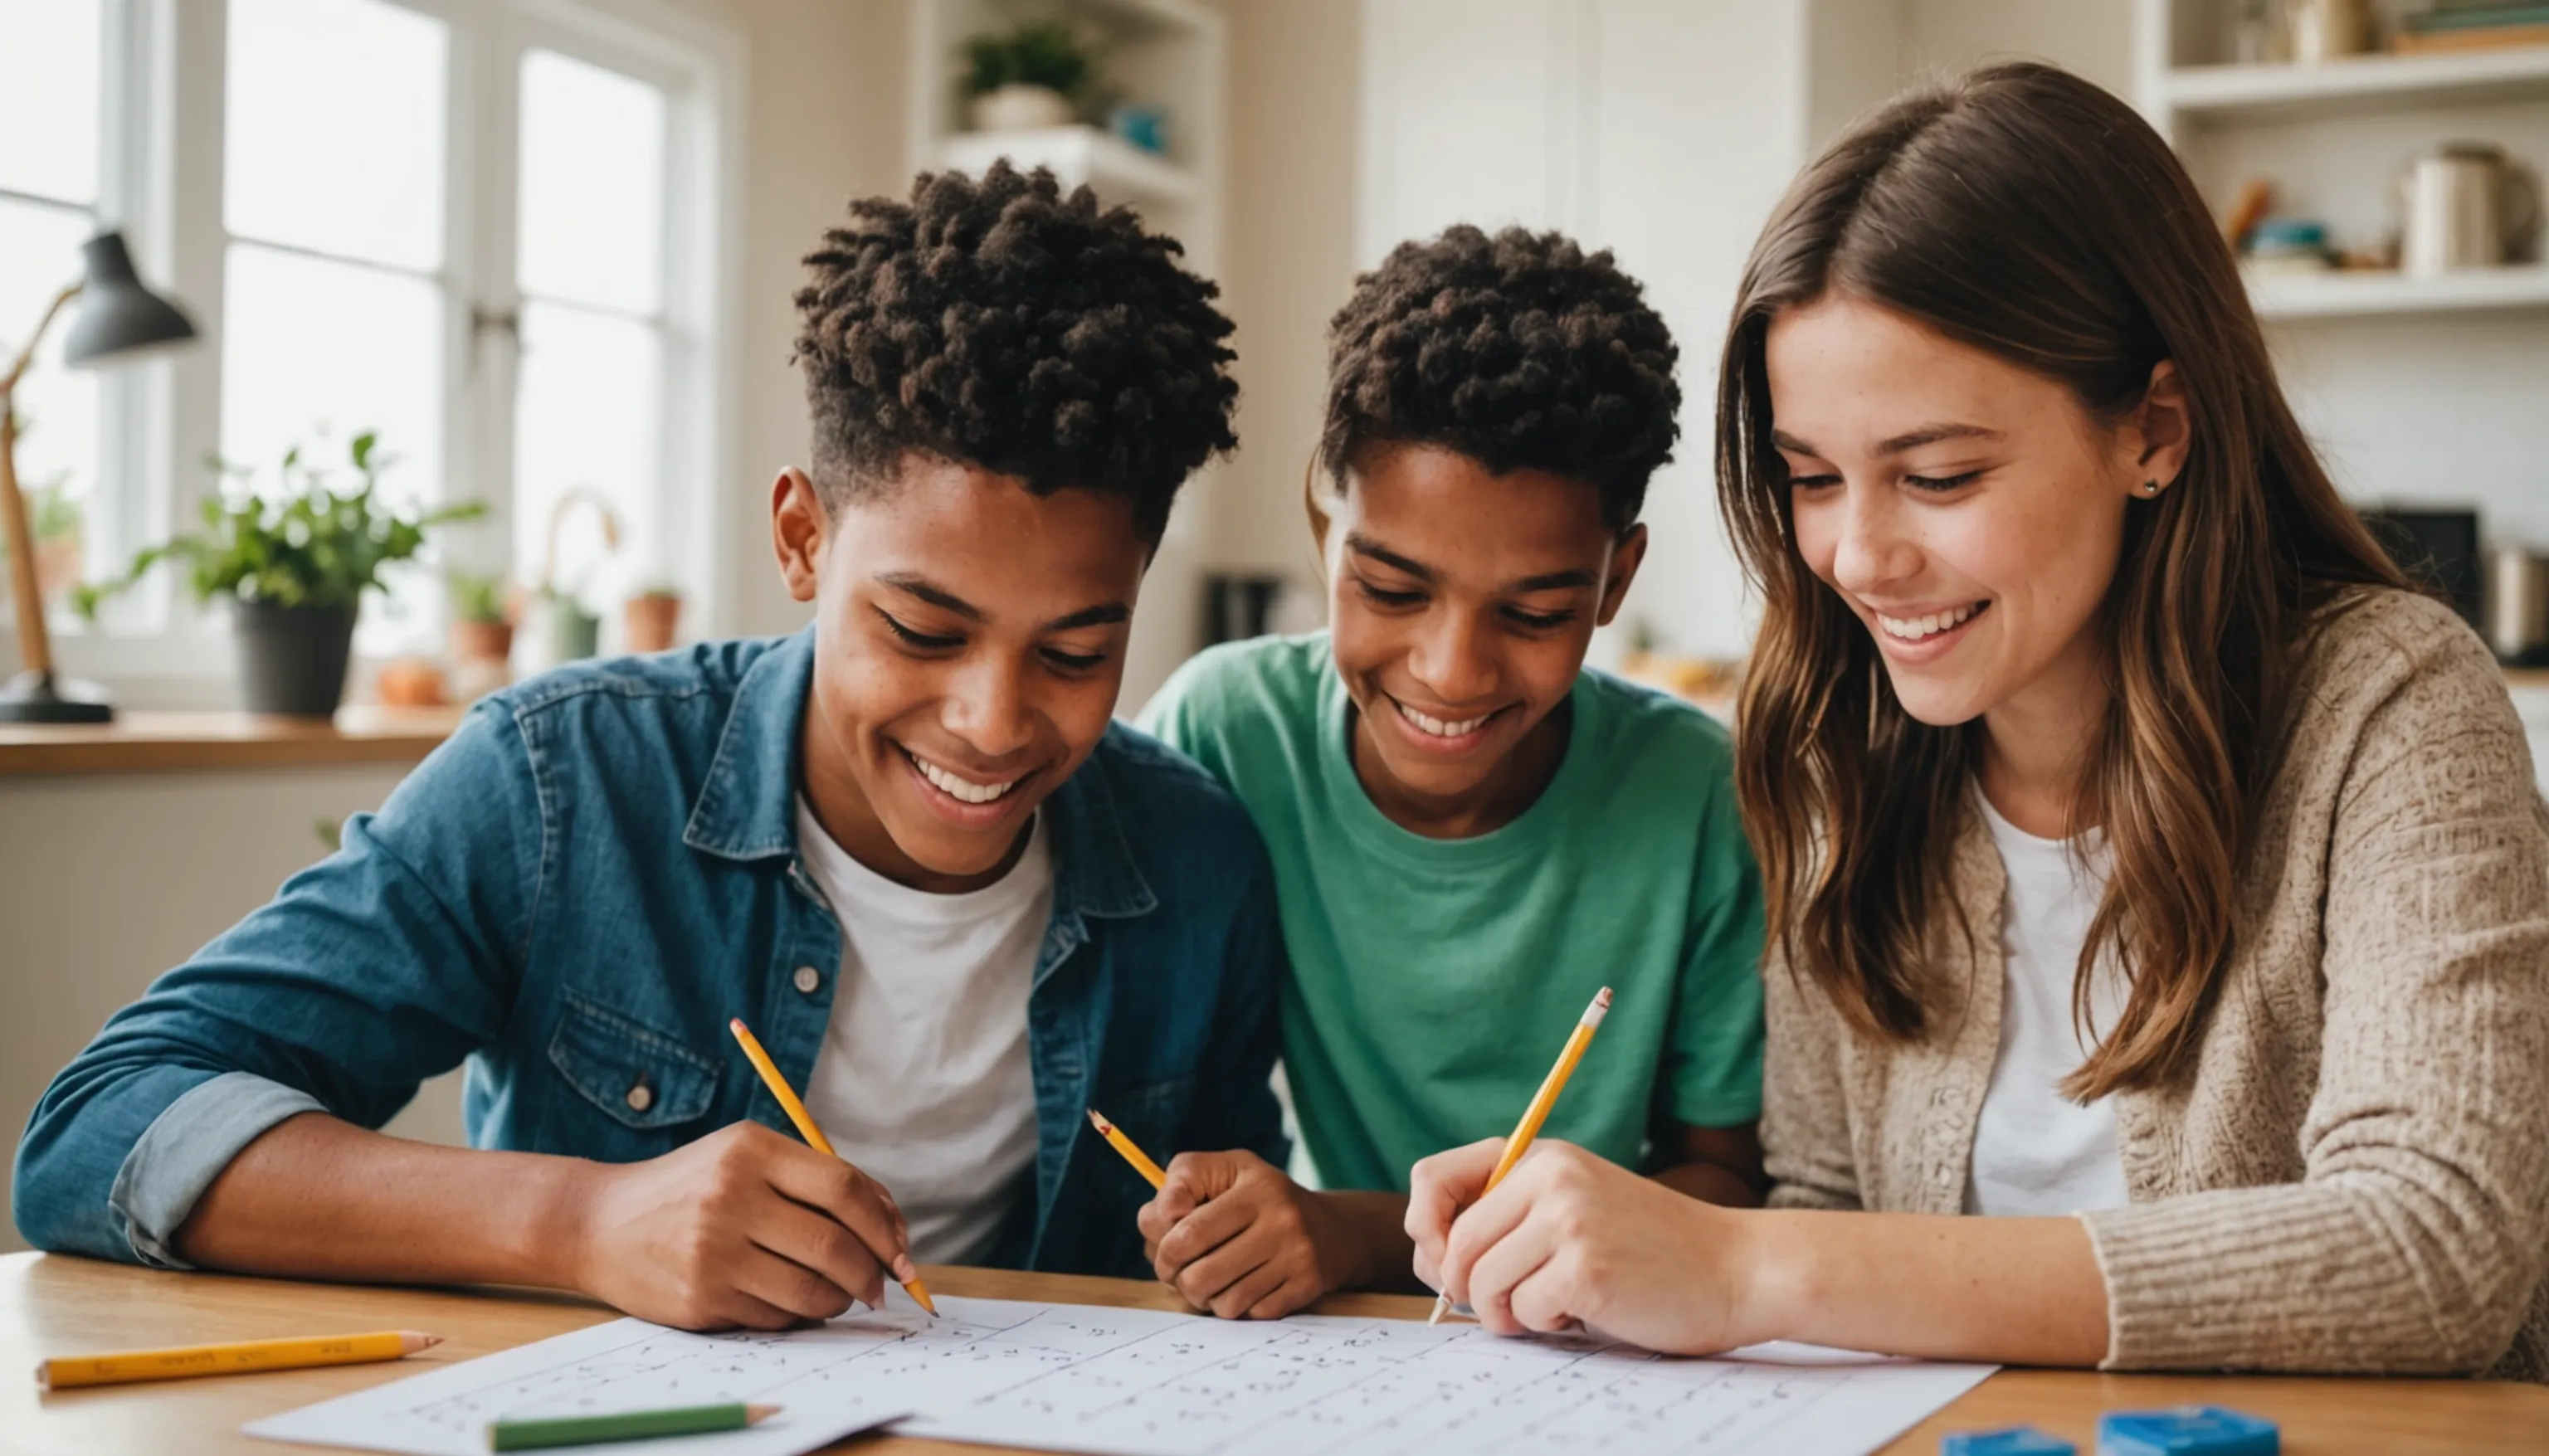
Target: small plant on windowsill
{"points": [[651, 619], [482, 618], [1029, 76], [294, 568], [57, 521]]}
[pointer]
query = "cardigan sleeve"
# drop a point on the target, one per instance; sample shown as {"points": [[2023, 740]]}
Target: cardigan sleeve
{"points": [[2420, 1228], [1804, 1120]]}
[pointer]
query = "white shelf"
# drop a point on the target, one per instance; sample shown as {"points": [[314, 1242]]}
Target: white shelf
{"points": [[1116, 169], [2358, 83], [2342, 295]]}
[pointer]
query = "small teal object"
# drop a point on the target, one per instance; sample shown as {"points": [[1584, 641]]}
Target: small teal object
{"points": [[2187, 1431], [2009, 1440]]}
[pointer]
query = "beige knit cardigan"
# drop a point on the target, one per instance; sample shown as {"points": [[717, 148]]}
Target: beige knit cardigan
{"points": [[2353, 1172]]}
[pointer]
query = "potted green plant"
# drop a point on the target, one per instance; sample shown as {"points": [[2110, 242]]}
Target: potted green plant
{"points": [[652, 618], [1026, 78], [294, 568], [482, 616]]}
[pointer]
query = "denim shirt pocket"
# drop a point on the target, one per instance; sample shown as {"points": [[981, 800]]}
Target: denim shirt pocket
{"points": [[641, 1078]]}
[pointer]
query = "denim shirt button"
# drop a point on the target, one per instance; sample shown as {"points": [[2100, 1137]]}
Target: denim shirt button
{"points": [[640, 1097], [809, 979]]}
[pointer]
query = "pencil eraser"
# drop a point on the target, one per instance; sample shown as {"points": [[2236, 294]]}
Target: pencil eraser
{"points": [[2187, 1431], [2008, 1440]]}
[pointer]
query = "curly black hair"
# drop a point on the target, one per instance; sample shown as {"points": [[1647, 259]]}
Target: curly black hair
{"points": [[1516, 350], [1001, 324]]}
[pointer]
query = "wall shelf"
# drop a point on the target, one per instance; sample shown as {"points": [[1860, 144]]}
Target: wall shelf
{"points": [[1076, 155], [2356, 84], [2335, 295]]}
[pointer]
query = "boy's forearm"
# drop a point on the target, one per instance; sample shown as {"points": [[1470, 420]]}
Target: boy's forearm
{"points": [[320, 1197], [1371, 1228]]}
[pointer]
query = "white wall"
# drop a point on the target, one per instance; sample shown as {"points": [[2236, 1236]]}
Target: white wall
{"points": [[1287, 264], [108, 880], [1662, 130], [2090, 38]]}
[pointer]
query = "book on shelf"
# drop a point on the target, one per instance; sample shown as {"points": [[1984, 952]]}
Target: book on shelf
{"points": [[2479, 17], [2466, 41]]}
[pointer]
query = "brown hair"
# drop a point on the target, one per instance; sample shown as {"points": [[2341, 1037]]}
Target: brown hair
{"points": [[2023, 212]]}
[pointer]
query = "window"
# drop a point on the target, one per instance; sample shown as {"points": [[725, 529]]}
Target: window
{"points": [[590, 265], [333, 288], [473, 225], [52, 68]]}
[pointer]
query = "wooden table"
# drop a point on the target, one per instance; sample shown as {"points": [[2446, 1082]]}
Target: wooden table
{"points": [[50, 1305]]}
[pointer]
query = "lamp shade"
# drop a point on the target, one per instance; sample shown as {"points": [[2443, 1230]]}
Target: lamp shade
{"points": [[117, 315]]}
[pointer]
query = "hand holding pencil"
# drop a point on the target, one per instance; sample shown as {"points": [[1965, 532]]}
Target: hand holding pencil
{"points": [[1509, 1152]]}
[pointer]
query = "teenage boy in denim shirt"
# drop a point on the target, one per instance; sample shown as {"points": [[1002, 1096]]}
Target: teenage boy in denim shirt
{"points": [[907, 845]]}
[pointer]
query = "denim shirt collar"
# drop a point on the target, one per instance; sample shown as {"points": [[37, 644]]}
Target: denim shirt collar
{"points": [[746, 809]]}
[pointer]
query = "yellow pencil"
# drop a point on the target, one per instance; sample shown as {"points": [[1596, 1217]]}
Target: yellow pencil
{"points": [[1140, 1161], [1538, 1112], [813, 1135], [187, 1361]]}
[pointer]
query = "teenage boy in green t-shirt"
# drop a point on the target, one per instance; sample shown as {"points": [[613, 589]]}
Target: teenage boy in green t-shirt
{"points": [[1472, 832]]}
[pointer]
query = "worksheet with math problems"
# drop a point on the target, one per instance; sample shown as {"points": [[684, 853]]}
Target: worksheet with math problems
{"points": [[1146, 1383]]}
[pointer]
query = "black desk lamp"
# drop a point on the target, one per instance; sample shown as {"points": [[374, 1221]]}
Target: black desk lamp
{"points": [[119, 319]]}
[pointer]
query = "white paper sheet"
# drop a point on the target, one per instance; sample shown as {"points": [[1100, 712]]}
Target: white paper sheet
{"points": [[1143, 1383]]}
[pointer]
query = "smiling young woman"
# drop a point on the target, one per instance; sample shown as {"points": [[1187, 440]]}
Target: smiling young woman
{"points": [[2147, 867]]}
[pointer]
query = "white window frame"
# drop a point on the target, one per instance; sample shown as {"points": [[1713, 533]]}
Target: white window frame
{"points": [[162, 178]]}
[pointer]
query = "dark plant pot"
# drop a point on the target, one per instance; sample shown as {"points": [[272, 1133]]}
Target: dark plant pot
{"points": [[291, 659]]}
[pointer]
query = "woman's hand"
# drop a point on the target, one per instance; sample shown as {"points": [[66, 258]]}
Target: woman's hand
{"points": [[745, 1226], [1570, 1240], [1232, 1235]]}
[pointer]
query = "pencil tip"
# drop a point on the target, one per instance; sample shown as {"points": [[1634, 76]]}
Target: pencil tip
{"points": [[44, 1377], [1098, 1120], [1442, 1307], [755, 1415], [417, 1339]]}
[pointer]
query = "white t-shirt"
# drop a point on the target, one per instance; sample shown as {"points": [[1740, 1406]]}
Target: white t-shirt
{"points": [[2035, 1152], [924, 1080]]}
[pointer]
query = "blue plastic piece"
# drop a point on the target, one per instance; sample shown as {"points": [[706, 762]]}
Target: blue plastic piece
{"points": [[2013, 1440], [2188, 1430]]}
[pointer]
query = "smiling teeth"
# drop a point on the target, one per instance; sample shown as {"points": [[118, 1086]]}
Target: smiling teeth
{"points": [[962, 790], [1913, 629], [1436, 726]]}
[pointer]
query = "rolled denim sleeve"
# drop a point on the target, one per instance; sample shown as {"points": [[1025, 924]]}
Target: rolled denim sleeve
{"points": [[383, 964], [185, 1148]]}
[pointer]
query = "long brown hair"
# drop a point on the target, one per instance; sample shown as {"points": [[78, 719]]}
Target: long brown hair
{"points": [[2023, 212]]}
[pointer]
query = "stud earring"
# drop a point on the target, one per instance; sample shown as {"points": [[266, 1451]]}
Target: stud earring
{"points": [[2150, 487]]}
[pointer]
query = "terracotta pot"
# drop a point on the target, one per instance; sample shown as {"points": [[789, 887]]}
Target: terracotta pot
{"points": [[651, 622], [1020, 109], [482, 642], [57, 566], [410, 683]]}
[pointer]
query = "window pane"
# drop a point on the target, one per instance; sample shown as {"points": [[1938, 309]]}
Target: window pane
{"points": [[57, 407], [50, 62], [592, 185], [589, 417], [335, 128], [311, 346]]}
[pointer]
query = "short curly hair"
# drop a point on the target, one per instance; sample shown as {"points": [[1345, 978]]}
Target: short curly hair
{"points": [[1516, 350], [1003, 324]]}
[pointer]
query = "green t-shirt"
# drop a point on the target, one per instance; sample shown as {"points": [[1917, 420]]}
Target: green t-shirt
{"points": [[1434, 980]]}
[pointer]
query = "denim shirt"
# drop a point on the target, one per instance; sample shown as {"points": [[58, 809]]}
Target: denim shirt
{"points": [[576, 892]]}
